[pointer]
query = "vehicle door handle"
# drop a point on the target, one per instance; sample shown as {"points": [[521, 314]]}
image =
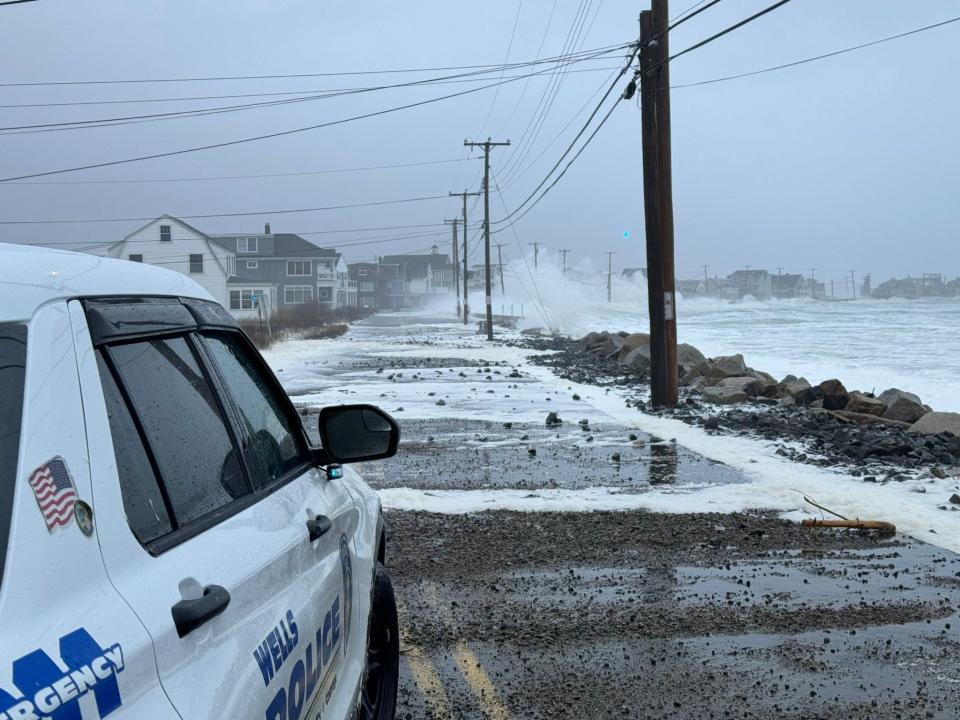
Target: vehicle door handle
{"points": [[188, 615], [318, 527]]}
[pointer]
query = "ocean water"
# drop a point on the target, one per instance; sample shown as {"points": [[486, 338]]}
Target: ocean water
{"points": [[869, 345]]}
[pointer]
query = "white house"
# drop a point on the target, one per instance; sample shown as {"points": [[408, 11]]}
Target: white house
{"points": [[172, 243], [251, 274]]}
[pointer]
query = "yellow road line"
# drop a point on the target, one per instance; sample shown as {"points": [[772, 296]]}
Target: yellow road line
{"points": [[479, 682], [426, 678]]}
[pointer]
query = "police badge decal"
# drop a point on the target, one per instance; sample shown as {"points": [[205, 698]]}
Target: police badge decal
{"points": [[346, 568]]}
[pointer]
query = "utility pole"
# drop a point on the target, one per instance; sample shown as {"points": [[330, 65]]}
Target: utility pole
{"points": [[486, 223], [500, 266], [658, 201], [706, 280], [813, 283], [609, 276], [853, 283], [456, 265], [564, 253], [466, 303], [779, 282], [536, 252]]}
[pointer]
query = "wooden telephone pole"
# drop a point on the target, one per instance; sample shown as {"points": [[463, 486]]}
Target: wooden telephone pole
{"points": [[564, 254], [486, 145], [466, 303], [658, 201], [536, 253], [456, 265]]}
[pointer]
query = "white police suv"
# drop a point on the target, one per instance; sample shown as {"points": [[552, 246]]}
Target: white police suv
{"points": [[171, 546]]}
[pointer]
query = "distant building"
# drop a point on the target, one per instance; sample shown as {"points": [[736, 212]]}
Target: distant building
{"points": [[755, 283], [373, 282], [172, 243], [927, 285], [250, 274], [418, 278], [789, 285]]}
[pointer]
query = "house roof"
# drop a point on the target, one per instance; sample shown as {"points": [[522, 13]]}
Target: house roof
{"points": [[284, 245], [417, 265]]}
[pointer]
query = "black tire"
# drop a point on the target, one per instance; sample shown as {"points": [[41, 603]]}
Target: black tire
{"points": [[378, 695]]}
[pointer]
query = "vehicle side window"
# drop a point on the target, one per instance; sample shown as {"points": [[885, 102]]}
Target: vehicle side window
{"points": [[13, 359], [182, 424], [276, 443], [142, 499]]}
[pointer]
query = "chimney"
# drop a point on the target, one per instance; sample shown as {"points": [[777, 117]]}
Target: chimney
{"points": [[266, 229]]}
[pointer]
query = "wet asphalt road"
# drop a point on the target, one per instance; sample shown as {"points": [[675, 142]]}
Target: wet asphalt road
{"points": [[634, 614], [645, 615]]}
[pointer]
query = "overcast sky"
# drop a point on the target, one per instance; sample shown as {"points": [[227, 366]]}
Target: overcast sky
{"points": [[850, 162]]}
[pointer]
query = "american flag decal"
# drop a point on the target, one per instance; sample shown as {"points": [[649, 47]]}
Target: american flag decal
{"points": [[55, 493]]}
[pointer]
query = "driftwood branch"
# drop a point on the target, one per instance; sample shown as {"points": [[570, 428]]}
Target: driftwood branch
{"points": [[856, 524]]}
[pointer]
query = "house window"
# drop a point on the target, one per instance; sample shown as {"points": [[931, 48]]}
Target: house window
{"points": [[367, 287], [252, 264], [196, 264], [165, 233], [245, 299], [247, 244], [135, 257], [362, 272], [297, 294], [298, 268]]}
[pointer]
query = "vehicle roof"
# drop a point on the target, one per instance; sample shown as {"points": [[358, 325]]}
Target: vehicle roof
{"points": [[31, 276]]}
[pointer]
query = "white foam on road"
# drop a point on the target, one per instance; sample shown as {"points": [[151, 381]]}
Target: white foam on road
{"points": [[685, 499], [309, 368]]}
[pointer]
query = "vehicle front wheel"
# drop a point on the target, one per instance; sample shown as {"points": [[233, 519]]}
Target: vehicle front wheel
{"points": [[378, 699]]}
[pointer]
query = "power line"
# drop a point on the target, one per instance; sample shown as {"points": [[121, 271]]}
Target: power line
{"points": [[573, 142], [506, 59], [200, 112], [298, 173], [675, 22], [129, 81], [217, 215], [520, 173], [560, 176], [469, 77], [730, 29], [819, 57], [549, 95], [265, 136]]}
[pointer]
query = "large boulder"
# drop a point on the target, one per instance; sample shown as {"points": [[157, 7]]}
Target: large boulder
{"points": [[746, 384], [688, 356], [631, 342], [901, 405], [638, 358], [768, 385], [937, 422], [888, 397], [833, 394], [794, 387], [810, 396], [731, 365], [864, 404], [724, 395], [603, 344]]}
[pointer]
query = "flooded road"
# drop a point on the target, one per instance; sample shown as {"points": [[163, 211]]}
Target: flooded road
{"points": [[571, 610]]}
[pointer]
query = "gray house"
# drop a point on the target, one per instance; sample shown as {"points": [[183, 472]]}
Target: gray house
{"points": [[277, 271]]}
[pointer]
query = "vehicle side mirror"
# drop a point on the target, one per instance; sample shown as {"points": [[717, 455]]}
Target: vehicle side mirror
{"points": [[357, 433]]}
